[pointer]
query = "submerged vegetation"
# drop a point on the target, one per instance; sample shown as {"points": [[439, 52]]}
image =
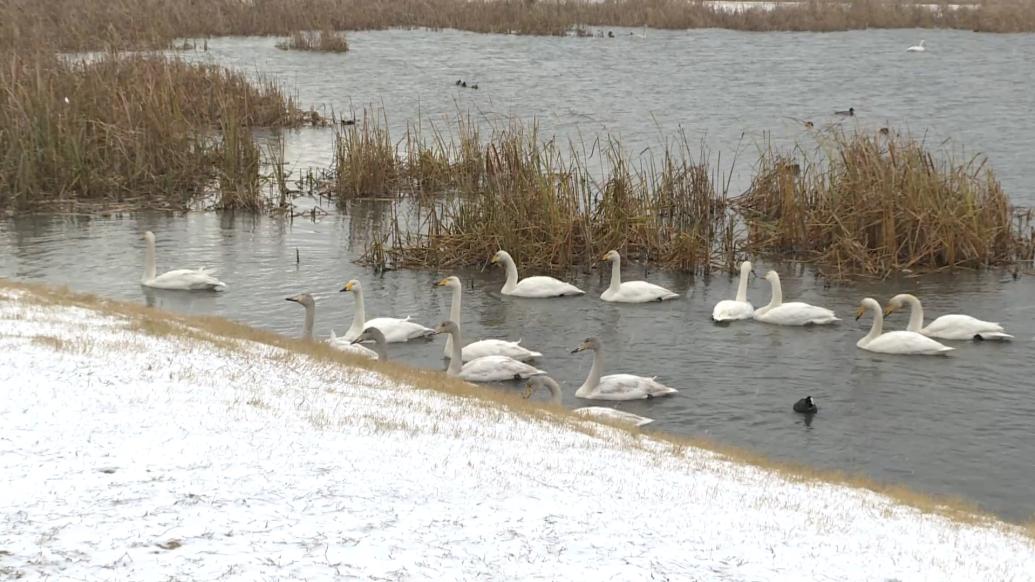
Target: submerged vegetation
{"points": [[95, 24], [328, 41]]}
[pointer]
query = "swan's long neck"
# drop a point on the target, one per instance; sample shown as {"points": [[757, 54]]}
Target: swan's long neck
{"points": [[149, 260], [359, 318], [616, 274], [554, 388], [456, 361], [595, 372], [878, 325], [379, 349], [512, 274], [916, 314], [310, 316], [777, 298], [454, 315], [742, 285]]}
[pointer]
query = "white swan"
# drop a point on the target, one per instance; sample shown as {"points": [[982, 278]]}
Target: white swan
{"points": [[394, 329], [485, 368], [794, 313], [917, 48], [949, 327], [739, 308], [372, 334], [894, 342], [185, 279], [631, 291], [595, 412], [306, 300], [479, 349], [615, 386], [531, 286]]}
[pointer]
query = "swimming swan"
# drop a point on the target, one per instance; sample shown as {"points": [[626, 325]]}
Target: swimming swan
{"points": [[485, 368], [372, 334], [306, 300], [185, 279], [479, 349], [917, 48], [394, 329], [615, 386], [596, 412], [531, 286], [950, 327], [894, 342], [739, 308], [631, 291], [794, 313]]}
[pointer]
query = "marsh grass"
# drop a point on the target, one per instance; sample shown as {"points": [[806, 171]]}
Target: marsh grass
{"points": [[474, 401], [130, 128], [880, 203], [327, 41]]}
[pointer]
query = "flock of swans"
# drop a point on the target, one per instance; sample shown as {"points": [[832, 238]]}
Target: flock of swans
{"points": [[497, 360]]}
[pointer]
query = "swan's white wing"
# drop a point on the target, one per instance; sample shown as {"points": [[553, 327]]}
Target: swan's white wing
{"points": [[614, 416], [186, 279], [544, 287], [638, 292], [344, 346], [397, 330], [495, 347], [497, 369], [797, 313], [627, 387], [963, 327], [730, 310], [905, 343]]}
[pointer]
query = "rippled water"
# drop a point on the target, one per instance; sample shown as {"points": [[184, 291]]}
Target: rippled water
{"points": [[958, 426]]}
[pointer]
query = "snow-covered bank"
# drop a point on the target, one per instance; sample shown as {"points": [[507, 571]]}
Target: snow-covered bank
{"points": [[131, 454]]}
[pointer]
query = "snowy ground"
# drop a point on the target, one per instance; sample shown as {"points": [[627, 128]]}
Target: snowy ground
{"points": [[126, 456]]}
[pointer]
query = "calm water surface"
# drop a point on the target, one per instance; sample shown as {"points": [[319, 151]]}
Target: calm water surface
{"points": [[959, 426]]}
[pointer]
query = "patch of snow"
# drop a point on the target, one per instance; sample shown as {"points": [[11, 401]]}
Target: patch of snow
{"points": [[134, 457]]}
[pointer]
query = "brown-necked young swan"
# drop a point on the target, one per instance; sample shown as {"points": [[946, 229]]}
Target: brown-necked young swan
{"points": [[894, 342], [479, 349], [306, 300], [794, 313], [739, 308], [631, 291], [615, 386], [485, 368], [394, 329], [183, 279], [603, 413], [372, 334], [949, 327], [538, 286]]}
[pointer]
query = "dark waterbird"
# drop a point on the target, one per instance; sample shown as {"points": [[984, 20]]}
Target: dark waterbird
{"points": [[849, 113], [806, 405]]}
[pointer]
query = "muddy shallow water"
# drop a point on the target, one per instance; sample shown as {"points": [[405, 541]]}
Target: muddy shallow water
{"points": [[958, 426]]}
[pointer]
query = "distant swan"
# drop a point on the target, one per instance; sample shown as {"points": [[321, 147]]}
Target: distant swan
{"points": [[849, 113], [372, 334], [596, 412], [531, 286], [394, 329], [917, 48], [631, 291], [949, 327], [894, 342], [739, 308], [488, 347], [306, 300], [485, 368], [615, 386], [794, 313], [184, 279]]}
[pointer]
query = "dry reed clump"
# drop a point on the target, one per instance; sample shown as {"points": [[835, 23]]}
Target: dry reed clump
{"points": [[129, 128], [876, 204], [98, 24], [327, 41]]}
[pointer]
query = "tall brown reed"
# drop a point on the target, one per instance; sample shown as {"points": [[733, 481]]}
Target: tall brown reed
{"points": [[328, 41]]}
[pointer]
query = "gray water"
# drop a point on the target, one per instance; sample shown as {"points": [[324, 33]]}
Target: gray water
{"points": [[957, 426]]}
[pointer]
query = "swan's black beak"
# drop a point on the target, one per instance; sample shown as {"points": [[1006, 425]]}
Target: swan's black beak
{"points": [[577, 350], [859, 313], [356, 341], [291, 299]]}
